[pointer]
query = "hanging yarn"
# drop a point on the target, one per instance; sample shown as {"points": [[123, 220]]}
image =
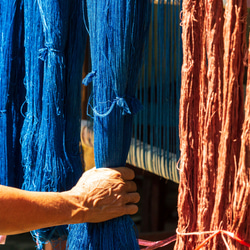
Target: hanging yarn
{"points": [[234, 33], [51, 132], [36, 120], [240, 215], [189, 122], [209, 112], [12, 91], [51, 162], [210, 122], [33, 41], [117, 32], [77, 39]]}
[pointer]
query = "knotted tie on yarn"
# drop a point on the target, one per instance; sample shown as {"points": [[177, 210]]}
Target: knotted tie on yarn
{"points": [[117, 30], [128, 105], [59, 54]]}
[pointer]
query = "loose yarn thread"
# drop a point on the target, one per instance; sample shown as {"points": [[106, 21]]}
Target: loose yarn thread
{"points": [[51, 133], [213, 234], [211, 116], [151, 245], [117, 31]]}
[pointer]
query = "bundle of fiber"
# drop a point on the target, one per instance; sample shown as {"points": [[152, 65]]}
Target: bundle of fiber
{"points": [[234, 34], [117, 32], [207, 182], [75, 52], [210, 109], [12, 91], [33, 41], [51, 133], [189, 122], [240, 214]]}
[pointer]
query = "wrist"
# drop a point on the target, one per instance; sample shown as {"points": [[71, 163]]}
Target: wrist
{"points": [[76, 211]]}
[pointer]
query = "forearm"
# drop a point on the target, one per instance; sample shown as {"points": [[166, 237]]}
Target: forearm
{"points": [[99, 195], [23, 211]]}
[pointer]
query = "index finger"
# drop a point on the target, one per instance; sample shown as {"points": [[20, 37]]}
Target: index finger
{"points": [[127, 174]]}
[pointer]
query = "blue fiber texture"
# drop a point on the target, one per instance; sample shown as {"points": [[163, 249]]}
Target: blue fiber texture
{"points": [[118, 31], [12, 91], [55, 39]]}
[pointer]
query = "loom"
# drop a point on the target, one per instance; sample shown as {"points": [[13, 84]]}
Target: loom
{"points": [[155, 143], [154, 147], [155, 132]]}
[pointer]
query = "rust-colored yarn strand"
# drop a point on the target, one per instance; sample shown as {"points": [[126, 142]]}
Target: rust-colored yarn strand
{"points": [[232, 114], [210, 116], [189, 110], [241, 195]]}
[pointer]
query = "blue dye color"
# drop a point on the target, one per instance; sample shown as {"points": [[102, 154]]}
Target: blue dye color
{"points": [[12, 91], [118, 31], [157, 126], [55, 40]]}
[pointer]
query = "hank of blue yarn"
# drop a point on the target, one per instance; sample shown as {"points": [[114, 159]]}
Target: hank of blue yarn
{"points": [[117, 30], [12, 91], [55, 45], [75, 52], [114, 234], [34, 40]]}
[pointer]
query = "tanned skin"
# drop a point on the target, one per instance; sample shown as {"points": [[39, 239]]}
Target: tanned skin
{"points": [[99, 195]]}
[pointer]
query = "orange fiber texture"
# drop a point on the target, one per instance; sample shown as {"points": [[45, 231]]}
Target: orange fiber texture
{"points": [[214, 190]]}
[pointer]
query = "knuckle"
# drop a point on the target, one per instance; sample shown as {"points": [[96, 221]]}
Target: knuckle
{"points": [[121, 187]]}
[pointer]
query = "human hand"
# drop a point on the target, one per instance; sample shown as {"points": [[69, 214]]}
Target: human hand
{"points": [[106, 193]]}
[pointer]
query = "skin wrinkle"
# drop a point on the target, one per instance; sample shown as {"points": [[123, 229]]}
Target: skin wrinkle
{"points": [[103, 196], [99, 195]]}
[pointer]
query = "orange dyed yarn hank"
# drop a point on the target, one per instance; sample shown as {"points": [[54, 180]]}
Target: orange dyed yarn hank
{"points": [[214, 176]]}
